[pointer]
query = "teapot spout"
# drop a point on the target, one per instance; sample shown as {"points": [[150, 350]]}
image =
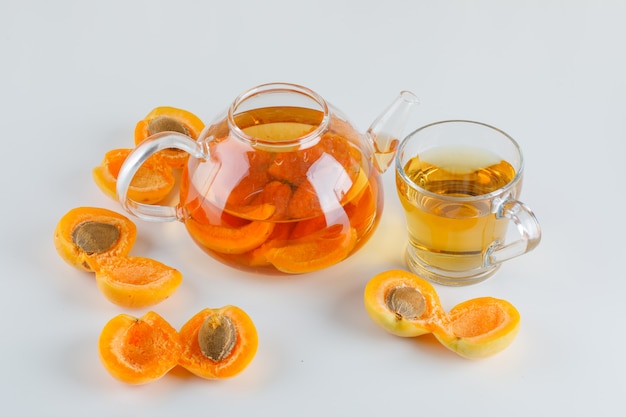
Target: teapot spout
{"points": [[386, 131]]}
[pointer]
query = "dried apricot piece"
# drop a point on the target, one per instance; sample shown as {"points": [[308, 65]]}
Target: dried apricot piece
{"points": [[135, 281], [86, 235], [230, 240], [403, 304], [152, 183], [139, 350], [480, 327], [312, 254], [169, 119], [218, 343]]}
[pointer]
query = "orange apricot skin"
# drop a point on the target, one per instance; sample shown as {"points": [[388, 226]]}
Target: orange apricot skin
{"points": [[139, 350], [243, 352], [173, 157], [480, 327], [375, 295], [78, 258], [152, 183], [136, 282]]}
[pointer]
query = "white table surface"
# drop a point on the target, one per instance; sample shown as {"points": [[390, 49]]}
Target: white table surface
{"points": [[76, 76]]}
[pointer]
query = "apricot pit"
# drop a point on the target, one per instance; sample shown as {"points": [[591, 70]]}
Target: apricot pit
{"points": [[95, 237], [166, 124], [217, 337], [406, 302]]}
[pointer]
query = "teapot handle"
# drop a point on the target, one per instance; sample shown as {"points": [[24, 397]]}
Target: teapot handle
{"points": [[150, 146]]}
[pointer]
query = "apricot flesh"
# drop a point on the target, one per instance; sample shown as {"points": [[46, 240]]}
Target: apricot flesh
{"points": [[136, 282], [480, 327], [139, 350], [152, 183]]}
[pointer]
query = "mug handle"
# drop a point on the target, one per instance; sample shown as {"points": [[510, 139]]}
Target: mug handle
{"points": [[150, 146], [527, 226]]}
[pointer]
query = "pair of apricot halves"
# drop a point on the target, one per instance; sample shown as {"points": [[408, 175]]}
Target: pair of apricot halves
{"points": [[99, 240], [406, 305], [214, 344]]}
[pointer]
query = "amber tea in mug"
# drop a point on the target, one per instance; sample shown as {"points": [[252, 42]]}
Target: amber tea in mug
{"points": [[458, 182]]}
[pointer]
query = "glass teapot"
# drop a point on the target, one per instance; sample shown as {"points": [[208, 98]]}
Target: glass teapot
{"points": [[279, 183]]}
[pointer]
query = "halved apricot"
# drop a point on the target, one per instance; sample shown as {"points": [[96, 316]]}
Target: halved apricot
{"points": [[403, 304], [480, 327], [312, 254], [136, 282], [139, 350], [169, 119], [230, 240], [89, 234], [152, 183], [218, 342]]}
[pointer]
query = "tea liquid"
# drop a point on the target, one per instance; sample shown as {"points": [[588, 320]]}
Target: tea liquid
{"points": [[447, 234], [318, 190]]}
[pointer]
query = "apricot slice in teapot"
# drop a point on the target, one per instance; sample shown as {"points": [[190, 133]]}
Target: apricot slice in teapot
{"points": [[246, 189], [277, 194], [86, 235], [362, 209], [152, 183], [218, 342], [136, 282], [304, 203], [230, 240], [269, 204], [480, 327], [256, 257], [139, 350], [348, 155], [403, 304], [312, 253], [169, 119]]}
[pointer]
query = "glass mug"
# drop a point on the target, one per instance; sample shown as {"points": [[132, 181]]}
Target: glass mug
{"points": [[459, 183]]}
